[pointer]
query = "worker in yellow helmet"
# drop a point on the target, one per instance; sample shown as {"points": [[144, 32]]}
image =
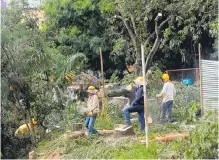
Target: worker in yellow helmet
{"points": [[93, 110], [168, 92], [23, 129], [137, 105]]}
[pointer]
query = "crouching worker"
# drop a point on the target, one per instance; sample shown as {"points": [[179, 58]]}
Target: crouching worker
{"points": [[93, 110], [168, 92], [136, 106], [23, 129]]}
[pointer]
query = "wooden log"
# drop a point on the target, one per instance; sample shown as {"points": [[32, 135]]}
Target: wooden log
{"points": [[111, 86], [117, 92], [171, 137]]}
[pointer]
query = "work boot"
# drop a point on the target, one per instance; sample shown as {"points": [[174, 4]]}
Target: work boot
{"points": [[125, 126]]}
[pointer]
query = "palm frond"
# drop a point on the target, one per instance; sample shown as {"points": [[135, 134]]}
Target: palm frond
{"points": [[74, 63]]}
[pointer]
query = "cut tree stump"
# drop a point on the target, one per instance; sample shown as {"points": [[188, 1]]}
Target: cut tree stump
{"points": [[76, 127], [124, 132]]}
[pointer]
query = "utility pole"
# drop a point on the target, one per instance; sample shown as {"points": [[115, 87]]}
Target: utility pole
{"points": [[145, 95], [200, 76], [104, 94]]}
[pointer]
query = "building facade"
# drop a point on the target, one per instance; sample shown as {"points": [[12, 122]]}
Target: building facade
{"points": [[32, 4]]}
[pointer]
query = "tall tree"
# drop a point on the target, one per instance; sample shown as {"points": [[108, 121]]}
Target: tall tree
{"points": [[144, 21], [26, 55], [79, 27], [175, 28]]}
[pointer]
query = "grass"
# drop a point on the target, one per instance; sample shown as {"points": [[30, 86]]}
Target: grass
{"points": [[48, 141], [164, 128], [43, 145], [96, 147], [137, 151]]}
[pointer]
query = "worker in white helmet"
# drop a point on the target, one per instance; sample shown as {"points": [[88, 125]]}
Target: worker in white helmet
{"points": [[137, 105]]}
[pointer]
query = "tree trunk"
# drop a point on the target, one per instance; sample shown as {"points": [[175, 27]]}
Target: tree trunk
{"points": [[138, 61]]}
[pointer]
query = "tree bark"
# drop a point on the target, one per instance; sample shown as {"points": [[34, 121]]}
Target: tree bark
{"points": [[134, 34], [138, 61], [156, 43]]}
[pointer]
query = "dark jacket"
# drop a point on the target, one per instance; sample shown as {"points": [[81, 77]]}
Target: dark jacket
{"points": [[139, 99]]}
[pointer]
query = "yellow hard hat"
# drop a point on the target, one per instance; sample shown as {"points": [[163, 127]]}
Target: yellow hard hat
{"points": [[91, 88], [165, 76], [34, 121]]}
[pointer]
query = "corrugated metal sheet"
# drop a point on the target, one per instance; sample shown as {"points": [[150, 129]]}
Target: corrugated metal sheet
{"points": [[210, 84]]}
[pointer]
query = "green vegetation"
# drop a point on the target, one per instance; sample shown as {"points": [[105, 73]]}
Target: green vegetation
{"points": [[36, 57], [201, 143]]}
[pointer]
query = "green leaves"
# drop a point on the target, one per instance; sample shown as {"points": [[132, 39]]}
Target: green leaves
{"points": [[74, 63], [83, 4], [75, 30], [204, 140], [107, 6]]}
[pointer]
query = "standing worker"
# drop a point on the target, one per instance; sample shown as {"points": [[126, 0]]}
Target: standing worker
{"points": [[136, 106], [93, 110], [168, 92]]}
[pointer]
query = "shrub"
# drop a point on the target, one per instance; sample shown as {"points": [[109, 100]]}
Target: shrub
{"points": [[128, 78], [186, 102], [203, 140], [137, 151], [113, 79]]}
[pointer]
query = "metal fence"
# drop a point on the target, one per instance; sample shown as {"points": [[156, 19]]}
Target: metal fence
{"points": [[183, 74], [210, 84]]}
